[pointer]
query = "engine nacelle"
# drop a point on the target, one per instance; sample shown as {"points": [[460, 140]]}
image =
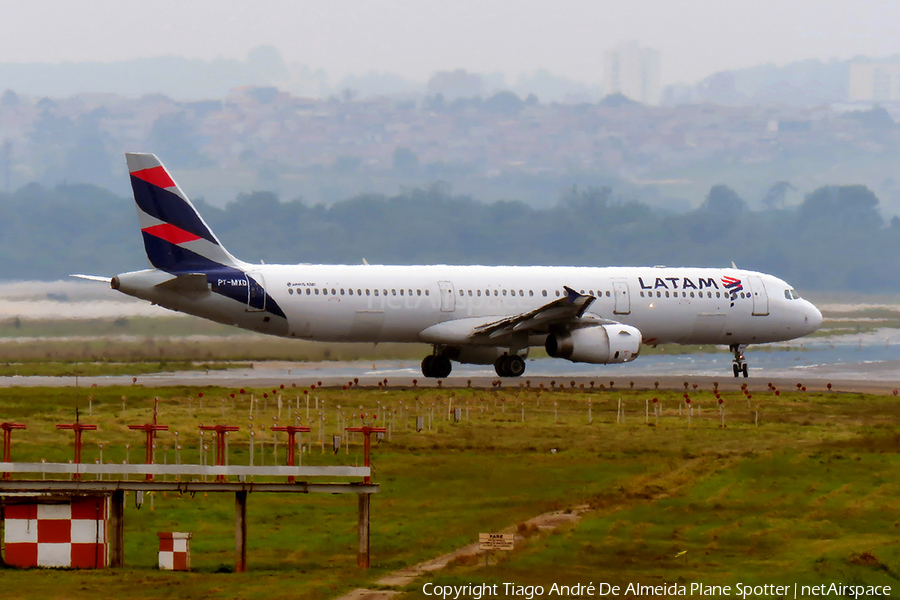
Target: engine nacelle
{"points": [[602, 344]]}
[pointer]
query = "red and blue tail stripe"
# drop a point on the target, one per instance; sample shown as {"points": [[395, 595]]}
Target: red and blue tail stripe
{"points": [[176, 238]]}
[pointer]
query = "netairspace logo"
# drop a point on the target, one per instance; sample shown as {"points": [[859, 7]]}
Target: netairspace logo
{"points": [[478, 591]]}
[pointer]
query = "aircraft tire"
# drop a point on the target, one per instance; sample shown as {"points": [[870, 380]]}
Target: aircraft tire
{"points": [[515, 366], [736, 369], [509, 366], [441, 367], [745, 370], [428, 365], [500, 366]]}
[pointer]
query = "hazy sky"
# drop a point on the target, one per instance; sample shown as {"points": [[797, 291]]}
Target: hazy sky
{"points": [[415, 38]]}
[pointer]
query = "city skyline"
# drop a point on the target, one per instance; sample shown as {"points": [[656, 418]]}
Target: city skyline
{"points": [[413, 40]]}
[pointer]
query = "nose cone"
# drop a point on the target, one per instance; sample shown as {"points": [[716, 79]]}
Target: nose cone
{"points": [[812, 317]]}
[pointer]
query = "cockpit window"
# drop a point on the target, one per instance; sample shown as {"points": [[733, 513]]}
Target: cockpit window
{"points": [[791, 295]]}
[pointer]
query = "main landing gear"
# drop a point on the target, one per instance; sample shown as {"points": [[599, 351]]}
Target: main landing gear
{"points": [[435, 365], [510, 365], [738, 364]]}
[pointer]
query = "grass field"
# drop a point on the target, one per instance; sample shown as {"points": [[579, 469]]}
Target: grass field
{"points": [[810, 494]]}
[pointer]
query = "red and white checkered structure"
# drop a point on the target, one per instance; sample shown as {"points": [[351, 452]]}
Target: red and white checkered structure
{"points": [[174, 551], [70, 533]]}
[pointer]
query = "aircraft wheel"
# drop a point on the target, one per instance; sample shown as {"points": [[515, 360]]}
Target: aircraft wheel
{"points": [[500, 366], [441, 367], [515, 366], [428, 366], [736, 369], [745, 370]]}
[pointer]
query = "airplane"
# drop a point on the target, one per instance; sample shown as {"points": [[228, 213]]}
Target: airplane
{"points": [[468, 314]]}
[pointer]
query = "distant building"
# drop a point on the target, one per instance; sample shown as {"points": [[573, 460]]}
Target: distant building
{"points": [[874, 82], [633, 72]]}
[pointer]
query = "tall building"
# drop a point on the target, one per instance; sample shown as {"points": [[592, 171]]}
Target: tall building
{"points": [[874, 82], [633, 72]]}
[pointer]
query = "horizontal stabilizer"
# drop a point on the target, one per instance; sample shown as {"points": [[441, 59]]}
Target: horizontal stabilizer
{"points": [[192, 283], [92, 277]]}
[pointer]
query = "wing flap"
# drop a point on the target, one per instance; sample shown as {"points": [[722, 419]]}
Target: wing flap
{"points": [[566, 310]]}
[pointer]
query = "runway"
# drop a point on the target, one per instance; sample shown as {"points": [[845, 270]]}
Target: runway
{"points": [[849, 368]]}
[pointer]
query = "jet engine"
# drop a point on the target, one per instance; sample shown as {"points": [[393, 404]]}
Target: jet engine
{"points": [[601, 344]]}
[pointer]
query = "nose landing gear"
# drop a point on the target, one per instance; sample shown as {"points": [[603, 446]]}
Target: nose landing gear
{"points": [[739, 366]]}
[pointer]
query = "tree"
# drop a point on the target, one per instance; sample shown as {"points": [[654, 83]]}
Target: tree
{"points": [[722, 201], [506, 103], [845, 206]]}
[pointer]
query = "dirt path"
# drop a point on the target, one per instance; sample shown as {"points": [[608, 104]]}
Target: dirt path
{"points": [[403, 577], [646, 488]]}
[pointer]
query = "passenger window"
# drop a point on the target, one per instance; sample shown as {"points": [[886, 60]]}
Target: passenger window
{"points": [[333, 292], [530, 293], [427, 292], [544, 293], [496, 293], [342, 291], [504, 292], [291, 291], [718, 294], [659, 294], [692, 294], [317, 291], [558, 294], [410, 292], [521, 293], [350, 291], [324, 291], [418, 292], [642, 294], [470, 293], [607, 293], [581, 292], [393, 292], [308, 291], [368, 292], [401, 291], [376, 292], [478, 293], [359, 292], [462, 293], [384, 292], [667, 294]]}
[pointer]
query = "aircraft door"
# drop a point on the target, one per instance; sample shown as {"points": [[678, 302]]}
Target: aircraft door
{"points": [[256, 292], [623, 298], [448, 299], [759, 296]]}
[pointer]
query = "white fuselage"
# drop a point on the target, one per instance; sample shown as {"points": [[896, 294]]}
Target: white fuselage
{"points": [[349, 303]]}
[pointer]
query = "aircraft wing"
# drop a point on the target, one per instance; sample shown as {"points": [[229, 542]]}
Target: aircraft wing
{"points": [[566, 310]]}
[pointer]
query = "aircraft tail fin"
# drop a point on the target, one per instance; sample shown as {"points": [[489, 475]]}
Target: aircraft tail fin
{"points": [[176, 238]]}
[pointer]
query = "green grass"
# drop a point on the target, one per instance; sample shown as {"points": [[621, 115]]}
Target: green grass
{"points": [[810, 494], [106, 368]]}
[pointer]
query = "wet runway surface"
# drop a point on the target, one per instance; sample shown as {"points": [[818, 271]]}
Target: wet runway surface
{"points": [[850, 366]]}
